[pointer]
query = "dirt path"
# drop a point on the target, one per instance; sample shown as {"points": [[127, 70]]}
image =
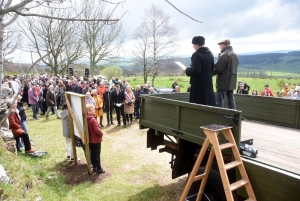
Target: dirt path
{"points": [[132, 140]]}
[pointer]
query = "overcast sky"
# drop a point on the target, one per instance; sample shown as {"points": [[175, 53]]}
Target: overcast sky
{"points": [[251, 25]]}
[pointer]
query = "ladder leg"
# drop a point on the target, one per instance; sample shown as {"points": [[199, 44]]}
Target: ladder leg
{"points": [[206, 172], [228, 135], [195, 169], [215, 145]]}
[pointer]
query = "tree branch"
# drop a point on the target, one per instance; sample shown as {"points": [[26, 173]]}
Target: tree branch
{"points": [[65, 19], [182, 12]]}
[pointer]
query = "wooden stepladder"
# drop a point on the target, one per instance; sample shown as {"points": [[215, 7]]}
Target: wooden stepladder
{"points": [[211, 132]]}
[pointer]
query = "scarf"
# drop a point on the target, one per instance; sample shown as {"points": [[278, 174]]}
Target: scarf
{"points": [[285, 91]]}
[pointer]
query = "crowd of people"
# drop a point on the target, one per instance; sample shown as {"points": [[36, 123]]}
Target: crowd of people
{"points": [[287, 92], [46, 93]]}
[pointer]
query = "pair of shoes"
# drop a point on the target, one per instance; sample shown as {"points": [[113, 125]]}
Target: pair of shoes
{"points": [[101, 171], [36, 118], [30, 151], [71, 159], [108, 124], [124, 126], [101, 125], [58, 117], [112, 123], [118, 125]]}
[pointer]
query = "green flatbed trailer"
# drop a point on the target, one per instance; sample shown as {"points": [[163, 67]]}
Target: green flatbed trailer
{"points": [[174, 127]]}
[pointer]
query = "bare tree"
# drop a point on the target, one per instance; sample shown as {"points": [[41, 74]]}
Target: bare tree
{"points": [[157, 41], [102, 40], [9, 12], [141, 50], [61, 38]]}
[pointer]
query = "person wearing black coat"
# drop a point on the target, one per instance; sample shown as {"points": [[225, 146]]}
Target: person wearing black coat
{"points": [[108, 105], [200, 73], [118, 98], [242, 89], [78, 88], [137, 93], [44, 104], [25, 94]]}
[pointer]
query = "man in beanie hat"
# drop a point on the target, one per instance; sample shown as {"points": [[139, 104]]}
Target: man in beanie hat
{"points": [[226, 71], [200, 72]]}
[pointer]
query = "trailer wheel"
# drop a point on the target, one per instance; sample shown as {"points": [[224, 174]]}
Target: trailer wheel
{"points": [[213, 189]]}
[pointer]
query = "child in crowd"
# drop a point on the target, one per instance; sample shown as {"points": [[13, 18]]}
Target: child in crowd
{"points": [[66, 131], [254, 92], [95, 137]]}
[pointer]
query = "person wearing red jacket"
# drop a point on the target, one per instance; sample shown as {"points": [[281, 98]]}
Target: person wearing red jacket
{"points": [[267, 91], [16, 128], [95, 139]]}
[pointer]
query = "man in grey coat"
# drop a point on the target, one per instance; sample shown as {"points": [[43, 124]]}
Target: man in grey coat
{"points": [[226, 70]]}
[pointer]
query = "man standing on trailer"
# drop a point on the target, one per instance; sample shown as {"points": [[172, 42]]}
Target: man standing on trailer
{"points": [[226, 71], [200, 73]]}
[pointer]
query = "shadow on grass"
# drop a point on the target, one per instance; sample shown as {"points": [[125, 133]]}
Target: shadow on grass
{"points": [[164, 193], [112, 129]]}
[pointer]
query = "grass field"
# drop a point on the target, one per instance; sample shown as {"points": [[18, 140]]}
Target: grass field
{"points": [[133, 172], [183, 81]]}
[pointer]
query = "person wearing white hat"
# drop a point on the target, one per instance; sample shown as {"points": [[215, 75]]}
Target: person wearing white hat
{"points": [[297, 93]]}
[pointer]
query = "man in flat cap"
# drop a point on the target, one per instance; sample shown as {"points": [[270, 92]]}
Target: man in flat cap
{"points": [[202, 65], [226, 71]]}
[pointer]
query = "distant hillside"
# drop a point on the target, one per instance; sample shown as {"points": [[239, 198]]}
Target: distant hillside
{"points": [[281, 64]]}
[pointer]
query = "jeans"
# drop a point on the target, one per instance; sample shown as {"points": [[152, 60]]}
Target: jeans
{"points": [[221, 97], [23, 125], [41, 105], [35, 110], [95, 155], [55, 110], [137, 110]]}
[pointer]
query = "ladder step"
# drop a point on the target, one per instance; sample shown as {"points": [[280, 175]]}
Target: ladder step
{"points": [[226, 145], [199, 177], [238, 184], [232, 165]]}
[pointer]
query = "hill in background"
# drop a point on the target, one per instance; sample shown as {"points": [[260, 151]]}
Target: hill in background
{"points": [[265, 64]]}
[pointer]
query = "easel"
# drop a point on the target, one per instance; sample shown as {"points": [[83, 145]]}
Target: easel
{"points": [[83, 132]]}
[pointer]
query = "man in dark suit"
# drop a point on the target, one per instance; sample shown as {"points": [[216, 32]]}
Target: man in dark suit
{"points": [[108, 105], [118, 98]]}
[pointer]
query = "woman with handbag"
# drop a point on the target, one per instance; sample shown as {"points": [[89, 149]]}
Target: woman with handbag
{"points": [[129, 104], [98, 106]]}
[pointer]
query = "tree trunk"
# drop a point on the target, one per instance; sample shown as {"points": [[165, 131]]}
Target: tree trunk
{"points": [[1, 53]]}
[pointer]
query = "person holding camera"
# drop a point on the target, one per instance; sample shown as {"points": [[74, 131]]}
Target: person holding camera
{"points": [[129, 104]]}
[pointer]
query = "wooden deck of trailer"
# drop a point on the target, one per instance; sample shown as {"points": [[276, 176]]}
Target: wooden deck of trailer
{"points": [[277, 146]]}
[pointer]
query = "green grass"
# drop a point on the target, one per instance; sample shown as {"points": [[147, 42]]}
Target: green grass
{"points": [[132, 175], [183, 81]]}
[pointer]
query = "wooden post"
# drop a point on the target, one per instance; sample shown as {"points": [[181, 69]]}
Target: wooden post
{"points": [[83, 133], [71, 130], [86, 135]]}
